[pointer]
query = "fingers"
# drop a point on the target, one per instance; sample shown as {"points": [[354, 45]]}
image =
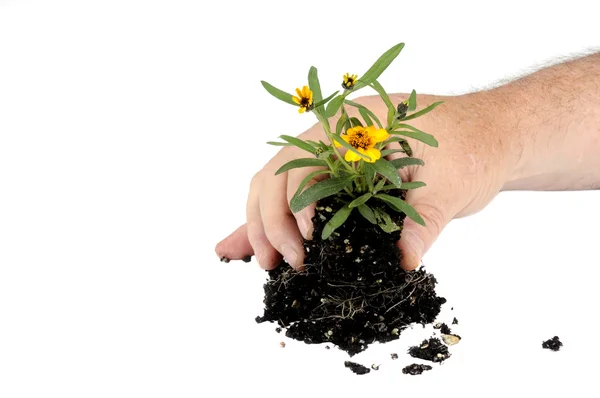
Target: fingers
{"points": [[236, 246], [266, 255], [279, 224], [417, 239], [304, 216]]}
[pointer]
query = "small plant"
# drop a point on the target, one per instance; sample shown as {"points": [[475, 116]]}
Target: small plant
{"points": [[363, 179]]}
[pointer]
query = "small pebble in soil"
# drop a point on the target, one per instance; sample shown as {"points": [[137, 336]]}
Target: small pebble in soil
{"points": [[357, 368], [282, 344], [224, 260], [375, 367], [553, 344], [394, 356], [430, 350], [327, 347], [247, 259], [415, 369], [278, 330], [455, 321], [450, 339]]}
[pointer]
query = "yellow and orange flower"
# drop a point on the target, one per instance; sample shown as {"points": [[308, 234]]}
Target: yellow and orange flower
{"points": [[363, 139], [349, 81], [304, 99]]}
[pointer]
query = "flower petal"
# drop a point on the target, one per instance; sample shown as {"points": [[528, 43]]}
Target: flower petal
{"points": [[301, 109], [373, 153], [352, 157], [299, 92], [296, 99], [379, 135]]}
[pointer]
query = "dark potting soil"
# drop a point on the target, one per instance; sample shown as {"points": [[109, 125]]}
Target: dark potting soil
{"points": [[455, 321], [357, 368], [430, 350], [553, 344], [415, 369], [352, 291]]}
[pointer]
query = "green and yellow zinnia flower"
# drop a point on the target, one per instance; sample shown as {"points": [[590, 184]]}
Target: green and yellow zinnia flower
{"points": [[304, 99], [363, 139], [349, 81]]}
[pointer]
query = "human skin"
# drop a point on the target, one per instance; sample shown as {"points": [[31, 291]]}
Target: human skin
{"points": [[540, 132]]}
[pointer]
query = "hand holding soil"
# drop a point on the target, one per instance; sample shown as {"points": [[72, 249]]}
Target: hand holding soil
{"points": [[536, 133]]}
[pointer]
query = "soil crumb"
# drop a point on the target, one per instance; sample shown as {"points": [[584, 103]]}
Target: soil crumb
{"points": [[430, 350], [415, 369], [357, 368], [553, 344]]}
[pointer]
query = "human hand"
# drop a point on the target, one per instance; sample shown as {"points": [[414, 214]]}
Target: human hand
{"points": [[473, 161]]}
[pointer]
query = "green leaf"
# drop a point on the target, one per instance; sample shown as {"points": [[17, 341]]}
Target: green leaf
{"points": [[318, 191], [340, 123], [412, 101], [323, 102], [304, 162], [334, 106], [387, 152], [349, 147], [367, 213], [307, 179], [336, 221], [369, 175], [386, 169], [354, 121], [379, 66], [365, 116], [385, 221], [380, 185], [279, 143], [364, 108], [400, 205], [416, 134], [391, 108], [314, 85], [403, 162], [423, 112], [361, 200], [299, 143], [279, 94], [413, 185]]}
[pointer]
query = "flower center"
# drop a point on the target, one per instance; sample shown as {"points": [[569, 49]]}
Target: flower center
{"points": [[305, 102], [360, 139]]}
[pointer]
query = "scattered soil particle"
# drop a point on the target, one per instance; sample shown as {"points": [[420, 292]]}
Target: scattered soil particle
{"points": [[282, 344], [375, 367], [553, 344], [394, 356], [247, 259], [444, 329], [357, 368], [350, 298], [225, 260], [278, 329], [327, 347], [455, 321], [415, 369], [430, 350]]}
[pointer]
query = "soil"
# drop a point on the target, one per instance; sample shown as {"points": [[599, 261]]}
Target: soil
{"points": [[415, 369], [357, 368], [553, 344], [352, 291], [430, 350]]}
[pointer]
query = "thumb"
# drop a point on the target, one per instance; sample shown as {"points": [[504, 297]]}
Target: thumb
{"points": [[416, 239]]}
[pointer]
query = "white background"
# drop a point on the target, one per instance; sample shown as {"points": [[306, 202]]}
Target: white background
{"points": [[129, 131]]}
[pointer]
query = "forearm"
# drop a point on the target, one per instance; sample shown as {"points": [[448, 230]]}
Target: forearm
{"points": [[553, 119]]}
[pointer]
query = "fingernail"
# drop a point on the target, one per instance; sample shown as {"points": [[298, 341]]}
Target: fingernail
{"points": [[305, 228], [289, 254], [415, 243]]}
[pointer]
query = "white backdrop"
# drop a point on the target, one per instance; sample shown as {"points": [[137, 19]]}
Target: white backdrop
{"points": [[129, 131]]}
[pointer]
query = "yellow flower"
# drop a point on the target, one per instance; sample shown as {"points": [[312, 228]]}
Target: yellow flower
{"points": [[363, 139], [349, 81], [304, 99]]}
